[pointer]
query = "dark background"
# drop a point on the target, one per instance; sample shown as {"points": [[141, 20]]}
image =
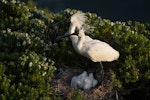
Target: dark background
{"points": [[115, 10]]}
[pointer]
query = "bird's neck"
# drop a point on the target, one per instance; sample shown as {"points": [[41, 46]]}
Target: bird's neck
{"points": [[73, 38], [72, 28], [81, 40]]}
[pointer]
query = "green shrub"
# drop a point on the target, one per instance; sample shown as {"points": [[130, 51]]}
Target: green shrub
{"points": [[25, 70]]}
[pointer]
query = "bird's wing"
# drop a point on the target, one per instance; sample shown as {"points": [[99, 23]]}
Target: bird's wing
{"points": [[99, 51]]}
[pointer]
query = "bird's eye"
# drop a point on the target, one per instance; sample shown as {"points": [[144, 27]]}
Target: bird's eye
{"points": [[68, 20], [76, 30]]}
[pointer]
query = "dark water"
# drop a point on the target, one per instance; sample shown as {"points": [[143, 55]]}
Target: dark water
{"points": [[115, 10]]}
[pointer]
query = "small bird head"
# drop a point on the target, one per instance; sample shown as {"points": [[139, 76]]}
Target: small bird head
{"points": [[78, 19]]}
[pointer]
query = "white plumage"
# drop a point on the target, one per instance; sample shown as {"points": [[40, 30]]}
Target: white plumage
{"points": [[77, 81], [73, 82], [94, 81], [78, 19], [80, 79], [83, 81], [93, 49], [89, 82]]}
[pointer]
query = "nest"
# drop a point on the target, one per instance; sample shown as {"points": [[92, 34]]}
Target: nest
{"points": [[103, 91]]}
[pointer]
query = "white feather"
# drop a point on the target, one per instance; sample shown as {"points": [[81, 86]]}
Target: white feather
{"points": [[78, 19]]}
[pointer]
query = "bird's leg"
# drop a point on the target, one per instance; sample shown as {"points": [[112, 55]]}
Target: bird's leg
{"points": [[102, 71]]}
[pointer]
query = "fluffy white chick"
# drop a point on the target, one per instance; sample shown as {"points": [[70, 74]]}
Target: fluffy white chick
{"points": [[80, 79], [89, 82], [77, 81], [73, 82], [94, 81]]}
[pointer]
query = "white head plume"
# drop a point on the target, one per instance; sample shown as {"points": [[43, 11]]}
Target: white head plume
{"points": [[78, 19]]}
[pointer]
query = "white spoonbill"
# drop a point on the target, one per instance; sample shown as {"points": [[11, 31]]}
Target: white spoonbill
{"points": [[95, 50]]}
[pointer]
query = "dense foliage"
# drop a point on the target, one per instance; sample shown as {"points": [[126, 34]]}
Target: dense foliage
{"points": [[25, 70], [29, 50]]}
